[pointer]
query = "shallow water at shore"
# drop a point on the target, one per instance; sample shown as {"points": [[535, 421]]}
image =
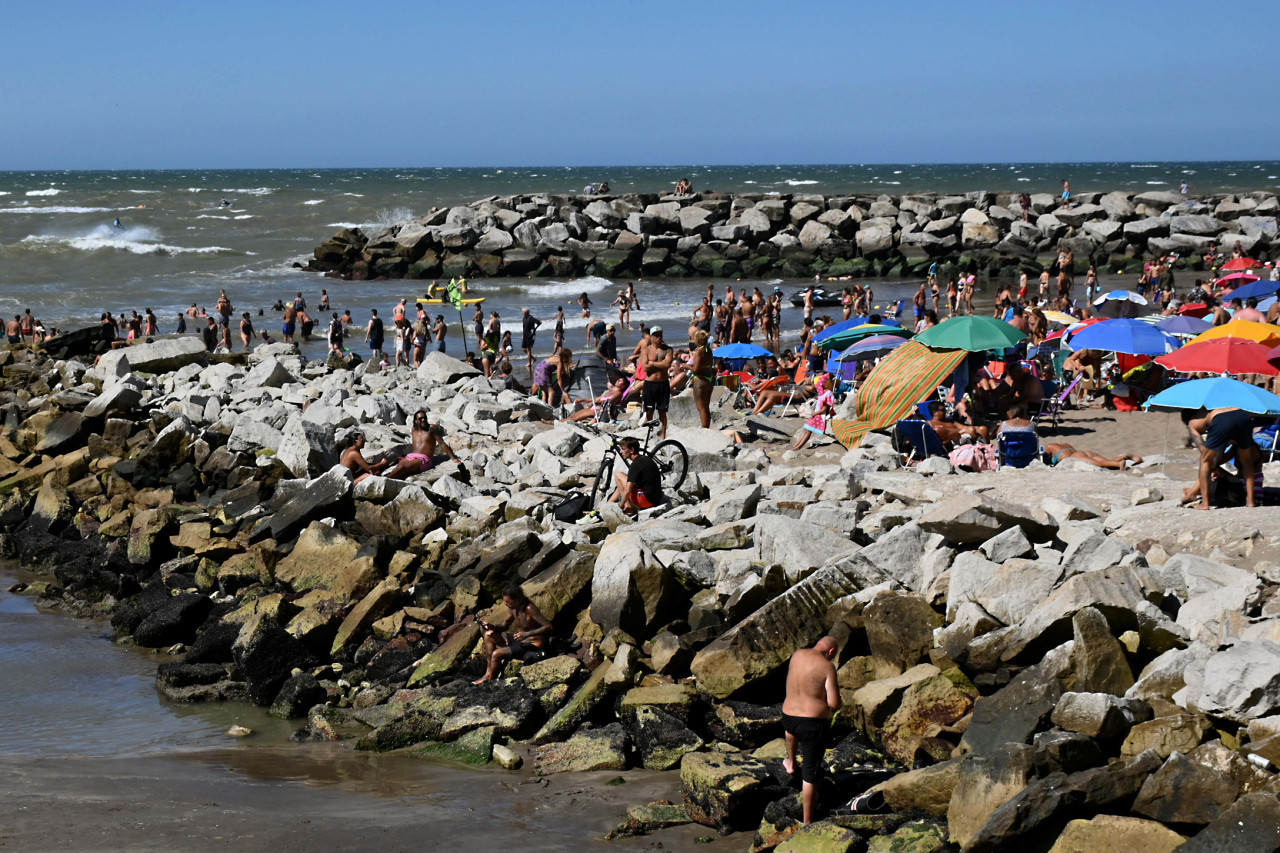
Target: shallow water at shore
{"points": [[92, 758]]}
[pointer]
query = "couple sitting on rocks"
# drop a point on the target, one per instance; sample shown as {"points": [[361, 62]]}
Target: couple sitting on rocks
{"points": [[425, 439]]}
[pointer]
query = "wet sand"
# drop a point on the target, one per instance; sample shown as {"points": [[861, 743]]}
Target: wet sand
{"points": [[319, 797]]}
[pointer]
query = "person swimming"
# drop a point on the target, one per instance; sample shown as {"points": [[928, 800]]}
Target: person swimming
{"points": [[116, 224]]}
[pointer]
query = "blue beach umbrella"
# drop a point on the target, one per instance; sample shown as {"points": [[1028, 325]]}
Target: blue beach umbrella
{"points": [[1216, 393], [872, 347], [740, 351], [1132, 337], [1183, 324], [837, 328], [1256, 289], [1121, 296], [1120, 303]]}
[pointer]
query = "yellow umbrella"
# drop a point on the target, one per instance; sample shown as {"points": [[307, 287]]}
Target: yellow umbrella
{"points": [[1263, 333], [1060, 317]]}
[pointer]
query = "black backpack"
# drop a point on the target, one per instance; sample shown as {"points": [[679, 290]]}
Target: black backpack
{"points": [[572, 507]]}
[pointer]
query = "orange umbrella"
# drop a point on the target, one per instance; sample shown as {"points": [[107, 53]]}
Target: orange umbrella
{"points": [[1263, 333], [1242, 264]]}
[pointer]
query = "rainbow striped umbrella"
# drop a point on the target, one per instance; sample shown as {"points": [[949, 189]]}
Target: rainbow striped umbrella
{"points": [[906, 376]]}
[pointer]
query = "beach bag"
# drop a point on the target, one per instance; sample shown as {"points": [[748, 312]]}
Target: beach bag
{"points": [[572, 507]]}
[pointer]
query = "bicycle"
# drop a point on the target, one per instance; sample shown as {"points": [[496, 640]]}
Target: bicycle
{"points": [[669, 455]]}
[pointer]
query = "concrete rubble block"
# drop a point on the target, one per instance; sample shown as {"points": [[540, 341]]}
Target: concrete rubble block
{"points": [[971, 518]]}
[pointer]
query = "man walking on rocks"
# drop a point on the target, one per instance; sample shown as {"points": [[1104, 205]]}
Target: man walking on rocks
{"points": [[813, 695]]}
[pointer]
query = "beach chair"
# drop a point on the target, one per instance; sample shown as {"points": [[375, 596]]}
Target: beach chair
{"points": [[916, 439], [1267, 439], [1017, 449], [1051, 406]]}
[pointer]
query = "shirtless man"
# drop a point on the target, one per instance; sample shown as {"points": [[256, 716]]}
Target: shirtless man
{"points": [[425, 439], [288, 323], [530, 638], [739, 332], [353, 458], [439, 329], [949, 431], [27, 325], [13, 329], [656, 358], [808, 303], [812, 697]]}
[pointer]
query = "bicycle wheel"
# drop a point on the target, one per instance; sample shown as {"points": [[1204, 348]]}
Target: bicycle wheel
{"points": [[673, 462], [604, 480]]}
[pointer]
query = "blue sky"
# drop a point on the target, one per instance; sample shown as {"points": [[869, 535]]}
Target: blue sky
{"points": [[276, 84]]}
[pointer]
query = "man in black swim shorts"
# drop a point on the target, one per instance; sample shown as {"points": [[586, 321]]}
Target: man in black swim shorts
{"points": [[813, 695], [1221, 433]]}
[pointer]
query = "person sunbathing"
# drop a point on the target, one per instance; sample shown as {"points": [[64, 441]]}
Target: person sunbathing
{"points": [[1055, 453], [951, 432], [603, 408], [773, 396]]}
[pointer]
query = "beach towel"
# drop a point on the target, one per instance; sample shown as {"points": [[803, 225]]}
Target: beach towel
{"points": [[909, 374]]}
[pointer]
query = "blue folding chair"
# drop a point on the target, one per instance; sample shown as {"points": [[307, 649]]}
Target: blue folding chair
{"points": [[916, 439], [1018, 449]]}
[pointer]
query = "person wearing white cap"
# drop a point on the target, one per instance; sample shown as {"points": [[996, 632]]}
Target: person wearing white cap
{"points": [[656, 358]]}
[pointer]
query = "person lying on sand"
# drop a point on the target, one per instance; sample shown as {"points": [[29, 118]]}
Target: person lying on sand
{"points": [[1055, 453]]}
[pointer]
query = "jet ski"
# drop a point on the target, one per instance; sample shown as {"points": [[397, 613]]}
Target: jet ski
{"points": [[822, 298]]}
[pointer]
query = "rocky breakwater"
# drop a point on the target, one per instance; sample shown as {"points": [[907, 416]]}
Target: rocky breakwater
{"points": [[724, 235], [1014, 676]]}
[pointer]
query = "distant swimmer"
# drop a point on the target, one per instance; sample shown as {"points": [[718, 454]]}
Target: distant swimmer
{"points": [[116, 224], [226, 202]]}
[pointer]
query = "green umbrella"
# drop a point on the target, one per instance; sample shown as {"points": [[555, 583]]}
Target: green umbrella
{"points": [[848, 337], [975, 334]]}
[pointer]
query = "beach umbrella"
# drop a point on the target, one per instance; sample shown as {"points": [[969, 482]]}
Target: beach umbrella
{"points": [[1242, 264], [971, 333], [1060, 317], [1194, 309], [1238, 278], [1221, 355], [740, 351], [1256, 289], [1264, 305], [872, 347], [1263, 333], [852, 322], [845, 338], [1132, 337], [1183, 325], [1121, 296], [1120, 303], [1216, 393], [1067, 333]]}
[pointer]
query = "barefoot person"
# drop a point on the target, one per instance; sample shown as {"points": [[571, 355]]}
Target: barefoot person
{"points": [[703, 368], [1220, 434], [1055, 453], [526, 643], [425, 439], [656, 358], [353, 458], [813, 695]]}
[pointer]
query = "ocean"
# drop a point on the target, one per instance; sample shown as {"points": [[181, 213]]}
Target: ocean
{"points": [[186, 234]]}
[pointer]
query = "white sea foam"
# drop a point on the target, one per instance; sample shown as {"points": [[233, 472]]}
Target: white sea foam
{"points": [[795, 183], [1024, 179], [1156, 183], [145, 192], [137, 240], [195, 189], [748, 182], [344, 225], [5, 192], [211, 216], [254, 191], [50, 191], [355, 195], [314, 201], [244, 216], [60, 209], [590, 284]]}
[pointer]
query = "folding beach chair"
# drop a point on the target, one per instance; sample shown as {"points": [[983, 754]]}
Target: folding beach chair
{"points": [[1052, 405], [1018, 449], [916, 439]]}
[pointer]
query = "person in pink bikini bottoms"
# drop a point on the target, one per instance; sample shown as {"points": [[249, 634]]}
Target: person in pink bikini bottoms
{"points": [[426, 439]]}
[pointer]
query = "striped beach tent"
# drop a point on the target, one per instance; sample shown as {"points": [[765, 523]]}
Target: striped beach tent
{"points": [[902, 379]]}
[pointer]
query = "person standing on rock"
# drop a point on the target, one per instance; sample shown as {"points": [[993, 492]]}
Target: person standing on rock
{"points": [[656, 357], [813, 695], [703, 368], [374, 335]]}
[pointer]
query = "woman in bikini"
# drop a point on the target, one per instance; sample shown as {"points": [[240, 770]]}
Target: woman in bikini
{"points": [[846, 302], [585, 302], [702, 367]]}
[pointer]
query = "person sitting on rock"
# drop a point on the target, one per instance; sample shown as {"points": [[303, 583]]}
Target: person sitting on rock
{"points": [[353, 458], [527, 643], [640, 486], [425, 439]]}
